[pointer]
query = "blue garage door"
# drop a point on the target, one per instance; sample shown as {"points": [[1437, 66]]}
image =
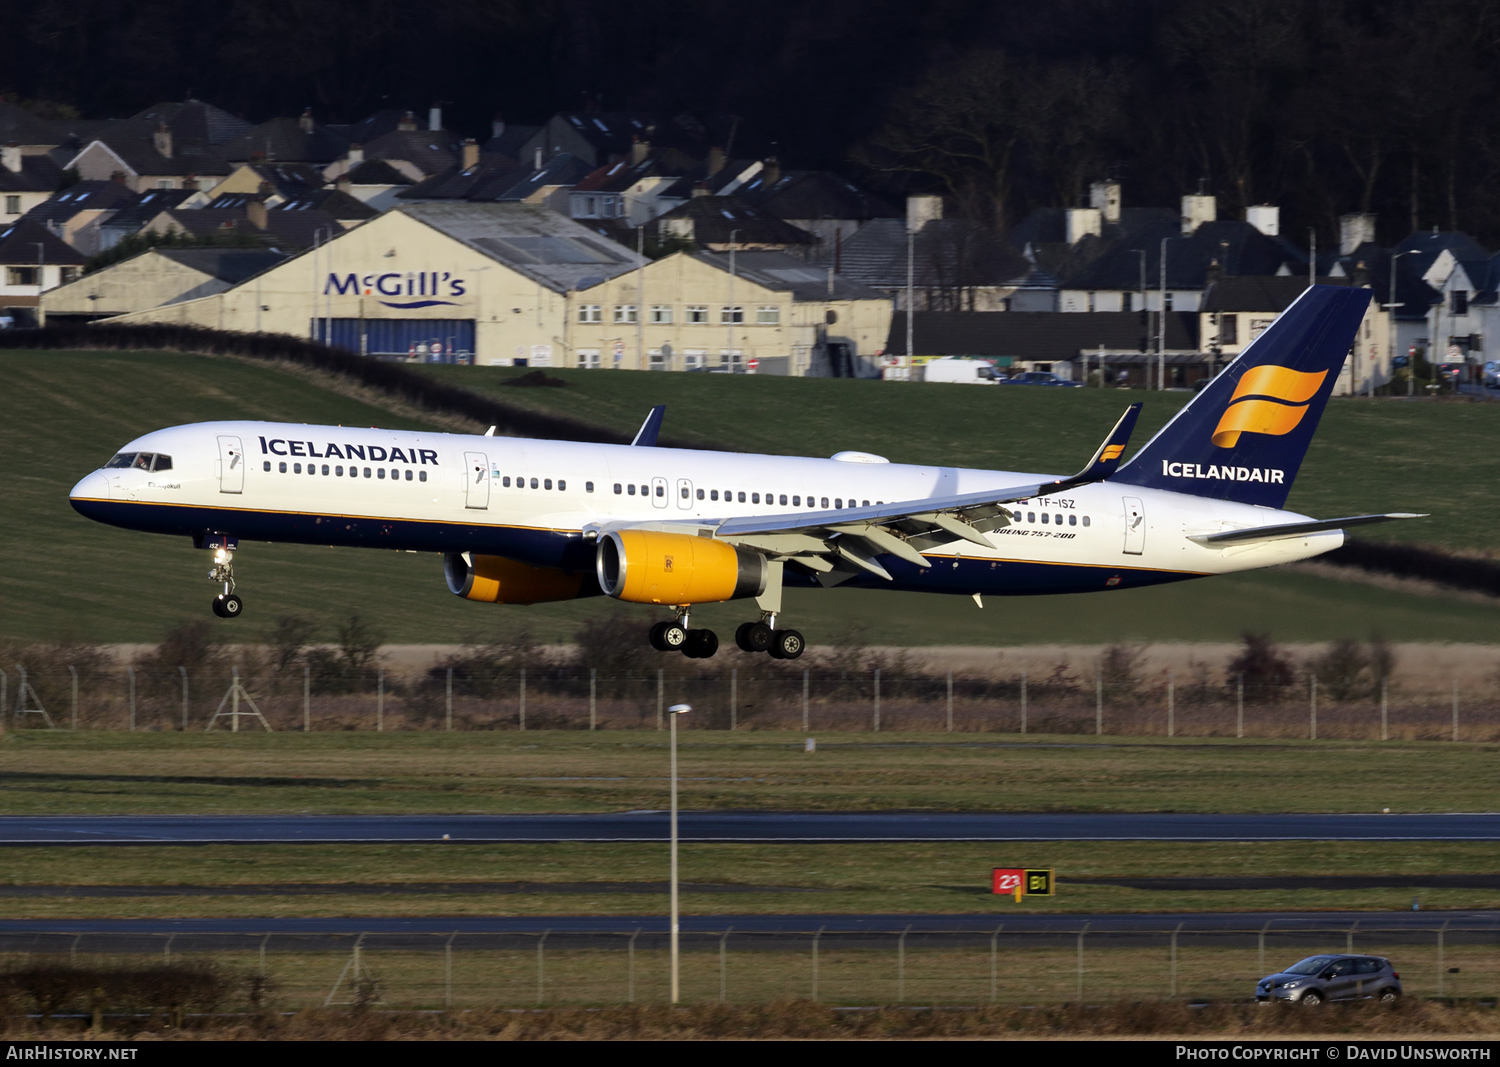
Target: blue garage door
{"points": [[430, 340]]}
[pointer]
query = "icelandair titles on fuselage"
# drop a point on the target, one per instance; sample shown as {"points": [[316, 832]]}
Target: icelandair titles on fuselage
{"points": [[373, 453], [1223, 473]]}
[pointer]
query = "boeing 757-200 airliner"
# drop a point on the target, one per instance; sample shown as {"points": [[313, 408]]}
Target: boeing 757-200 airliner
{"points": [[523, 521]]}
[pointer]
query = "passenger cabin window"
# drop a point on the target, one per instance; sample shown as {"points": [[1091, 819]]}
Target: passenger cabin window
{"points": [[588, 487], [1085, 520], [742, 497], [713, 494], [617, 489]]}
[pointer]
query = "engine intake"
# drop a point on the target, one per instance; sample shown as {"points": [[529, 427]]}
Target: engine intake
{"points": [[497, 580], [646, 567]]}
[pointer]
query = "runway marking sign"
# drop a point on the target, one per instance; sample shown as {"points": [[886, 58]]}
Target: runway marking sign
{"points": [[1022, 881]]}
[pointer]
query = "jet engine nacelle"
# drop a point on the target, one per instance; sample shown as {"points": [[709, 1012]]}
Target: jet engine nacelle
{"points": [[646, 567], [497, 580]]}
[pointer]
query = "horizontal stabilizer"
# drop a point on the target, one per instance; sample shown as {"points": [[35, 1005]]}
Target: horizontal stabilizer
{"points": [[651, 428], [1294, 529]]}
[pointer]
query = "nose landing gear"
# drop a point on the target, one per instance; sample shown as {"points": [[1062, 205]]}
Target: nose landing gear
{"points": [[227, 605]]}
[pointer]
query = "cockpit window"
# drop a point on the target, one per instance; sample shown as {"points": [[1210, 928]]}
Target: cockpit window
{"points": [[142, 461]]}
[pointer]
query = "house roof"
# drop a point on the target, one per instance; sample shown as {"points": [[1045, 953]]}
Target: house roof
{"points": [[487, 179], [38, 174], [724, 220], [947, 253], [151, 203], [290, 179], [290, 230], [784, 273], [509, 141], [561, 169], [18, 246], [814, 194], [376, 172], [19, 126], [232, 265], [1259, 292], [1237, 248], [189, 120], [83, 196], [378, 124], [284, 140], [1413, 295], [430, 151], [619, 176], [1423, 248], [138, 152], [1035, 335], [531, 240]]}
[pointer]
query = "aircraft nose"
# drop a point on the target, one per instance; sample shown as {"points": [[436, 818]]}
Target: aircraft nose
{"points": [[92, 486]]}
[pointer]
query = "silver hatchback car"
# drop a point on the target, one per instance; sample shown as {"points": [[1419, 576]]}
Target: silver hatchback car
{"points": [[1319, 978]]}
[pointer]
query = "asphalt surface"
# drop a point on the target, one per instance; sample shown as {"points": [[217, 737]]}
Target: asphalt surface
{"points": [[1203, 922], [765, 826]]}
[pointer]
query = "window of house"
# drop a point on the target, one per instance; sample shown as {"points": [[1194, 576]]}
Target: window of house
{"points": [[589, 313], [1229, 329], [692, 359], [768, 315], [588, 358], [1168, 305], [656, 360], [164, 183], [20, 275], [12, 205], [661, 314], [730, 314], [625, 313], [1459, 300], [696, 312]]}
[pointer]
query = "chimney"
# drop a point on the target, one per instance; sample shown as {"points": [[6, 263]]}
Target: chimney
{"points": [[264, 189], [700, 189], [1196, 210], [10, 158], [162, 140], [355, 156], [408, 121], [770, 173], [497, 126], [343, 184], [639, 150], [1354, 230], [190, 183], [255, 211], [1266, 218], [536, 158], [1105, 196], [920, 210], [305, 123], [1084, 222], [715, 161], [434, 118], [117, 176], [470, 153]]}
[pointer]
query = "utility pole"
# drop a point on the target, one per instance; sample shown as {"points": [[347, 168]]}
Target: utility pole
{"points": [[1390, 310], [1161, 323], [911, 287], [734, 236], [640, 300]]}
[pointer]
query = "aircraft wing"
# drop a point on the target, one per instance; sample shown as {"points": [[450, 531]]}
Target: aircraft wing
{"points": [[839, 544]]}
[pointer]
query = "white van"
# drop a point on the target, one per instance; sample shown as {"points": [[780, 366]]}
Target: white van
{"points": [[960, 371]]}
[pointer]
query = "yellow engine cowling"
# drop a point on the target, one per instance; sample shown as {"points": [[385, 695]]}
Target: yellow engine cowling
{"points": [[497, 580], [646, 567]]}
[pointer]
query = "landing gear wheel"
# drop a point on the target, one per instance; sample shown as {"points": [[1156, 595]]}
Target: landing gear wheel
{"points": [[228, 606], [655, 636], [700, 644], [674, 637], [754, 637], [788, 644], [218, 605]]}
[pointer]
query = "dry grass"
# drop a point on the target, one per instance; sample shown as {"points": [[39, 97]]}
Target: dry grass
{"points": [[797, 1019]]}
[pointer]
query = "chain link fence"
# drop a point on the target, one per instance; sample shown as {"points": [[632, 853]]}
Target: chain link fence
{"points": [[1065, 964], [69, 696]]}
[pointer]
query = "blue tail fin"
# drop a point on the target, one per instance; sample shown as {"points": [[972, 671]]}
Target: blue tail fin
{"points": [[1244, 436]]}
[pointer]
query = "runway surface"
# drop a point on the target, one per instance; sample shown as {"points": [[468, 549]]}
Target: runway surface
{"points": [[1255, 921], [725, 826]]}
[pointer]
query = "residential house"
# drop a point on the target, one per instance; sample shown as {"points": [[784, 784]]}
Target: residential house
{"points": [[1454, 266], [826, 205], [272, 227], [155, 278], [286, 140], [940, 264], [32, 261], [168, 146], [721, 223], [26, 181], [130, 219], [507, 139], [374, 182], [78, 213], [601, 138]]}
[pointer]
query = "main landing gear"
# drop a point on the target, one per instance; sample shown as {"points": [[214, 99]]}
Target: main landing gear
{"points": [[675, 636], [759, 636], [227, 605], [763, 636]]}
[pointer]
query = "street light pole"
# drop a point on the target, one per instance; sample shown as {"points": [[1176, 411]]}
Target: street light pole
{"points": [[734, 240], [675, 710], [1391, 326], [1161, 323]]}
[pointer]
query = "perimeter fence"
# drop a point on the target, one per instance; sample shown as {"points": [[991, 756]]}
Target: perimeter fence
{"points": [[783, 697], [1061, 964]]}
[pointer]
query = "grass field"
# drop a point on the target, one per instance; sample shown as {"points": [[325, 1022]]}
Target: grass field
{"points": [[61, 576], [1368, 455], [45, 772]]}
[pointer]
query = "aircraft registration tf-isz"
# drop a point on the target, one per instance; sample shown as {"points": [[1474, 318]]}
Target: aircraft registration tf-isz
{"points": [[524, 521]]}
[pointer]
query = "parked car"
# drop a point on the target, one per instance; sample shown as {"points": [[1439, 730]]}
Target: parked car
{"points": [[1039, 377], [1319, 978], [960, 371], [1492, 374]]}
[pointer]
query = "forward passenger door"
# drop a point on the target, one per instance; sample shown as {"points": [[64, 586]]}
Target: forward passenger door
{"points": [[477, 490], [231, 465], [1135, 526]]}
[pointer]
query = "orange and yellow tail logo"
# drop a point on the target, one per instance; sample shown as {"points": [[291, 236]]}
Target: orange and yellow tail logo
{"points": [[1248, 413], [1111, 452]]}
